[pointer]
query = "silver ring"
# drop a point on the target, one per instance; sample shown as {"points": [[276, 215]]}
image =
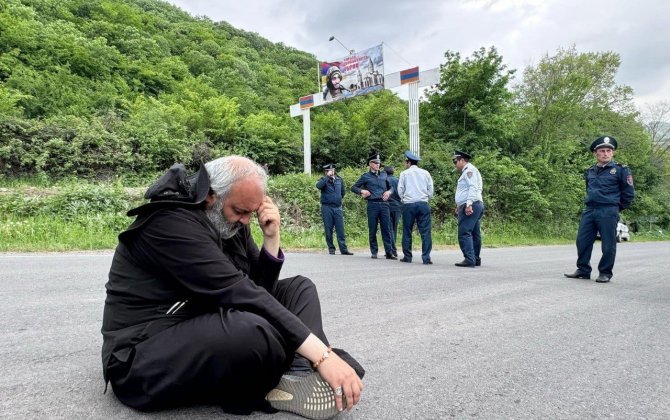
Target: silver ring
{"points": [[338, 391]]}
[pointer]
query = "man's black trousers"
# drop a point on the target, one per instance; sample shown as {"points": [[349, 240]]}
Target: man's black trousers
{"points": [[231, 357]]}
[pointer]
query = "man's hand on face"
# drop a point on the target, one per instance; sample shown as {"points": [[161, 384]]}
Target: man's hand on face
{"points": [[331, 173], [268, 218], [269, 222]]}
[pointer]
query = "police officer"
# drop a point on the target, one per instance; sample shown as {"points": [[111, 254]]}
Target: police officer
{"points": [[394, 207], [609, 189], [415, 188], [469, 209], [332, 191], [374, 187]]}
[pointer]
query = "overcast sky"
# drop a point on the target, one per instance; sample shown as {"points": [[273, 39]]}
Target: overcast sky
{"points": [[418, 32]]}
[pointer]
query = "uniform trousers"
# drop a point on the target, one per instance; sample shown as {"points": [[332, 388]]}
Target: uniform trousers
{"points": [[395, 213], [418, 212], [378, 212], [469, 232], [333, 217], [229, 357], [594, 220]]}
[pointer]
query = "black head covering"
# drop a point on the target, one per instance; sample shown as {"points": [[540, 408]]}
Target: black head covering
{"points": [[176, 188]]}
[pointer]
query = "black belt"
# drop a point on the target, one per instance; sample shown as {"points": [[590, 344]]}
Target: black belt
{"points": [[376, 200]]}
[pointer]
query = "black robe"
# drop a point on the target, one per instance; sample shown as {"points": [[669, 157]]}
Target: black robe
{"points": [[174, 255]]}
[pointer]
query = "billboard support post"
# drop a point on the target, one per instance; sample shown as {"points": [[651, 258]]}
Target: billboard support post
{"points": [[414, 117], [307, 141], [369, 81]]}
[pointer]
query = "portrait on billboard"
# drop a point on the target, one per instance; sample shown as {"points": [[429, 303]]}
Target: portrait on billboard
{"points": [[353, 75]]}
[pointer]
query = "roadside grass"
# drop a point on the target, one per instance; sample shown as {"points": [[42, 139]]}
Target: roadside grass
{"points": [[100, 231], [44, 233], [36, 215]]}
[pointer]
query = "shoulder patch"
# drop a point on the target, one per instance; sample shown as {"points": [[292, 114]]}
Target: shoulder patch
{"points": [[469, 174], [629, 179]]}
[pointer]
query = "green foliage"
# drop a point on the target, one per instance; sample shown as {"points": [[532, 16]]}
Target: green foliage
{"points": [[177, 87], [346, 132], [297, 198], [68, 203], [122, 89], [471, 104]]}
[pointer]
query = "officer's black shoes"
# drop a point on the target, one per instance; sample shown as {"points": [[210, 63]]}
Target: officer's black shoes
{"points": [[603, 279], [373, 256], [464, 264], [391, 257], [478, 262], [577, 275], [427, 262], [346, 253], [308, 396], [405, 259], [395, 254], [331, 251]]}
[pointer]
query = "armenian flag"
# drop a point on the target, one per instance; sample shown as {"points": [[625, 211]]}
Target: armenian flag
{"points": [[306, 101], [409, 75]]}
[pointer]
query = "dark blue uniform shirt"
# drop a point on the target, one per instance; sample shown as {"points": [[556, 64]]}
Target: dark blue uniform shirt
{"points": [[377, 184], [610, 185], [394, 198], [332, 190]]}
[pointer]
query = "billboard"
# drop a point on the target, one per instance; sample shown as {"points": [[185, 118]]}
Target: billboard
{"points": [[354, 75]]}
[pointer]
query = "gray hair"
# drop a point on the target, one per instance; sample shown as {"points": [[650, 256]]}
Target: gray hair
{"points": [[226, 171]]}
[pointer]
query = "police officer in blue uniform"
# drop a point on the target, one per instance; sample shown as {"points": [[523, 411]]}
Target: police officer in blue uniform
{"points": [[609, 189], [395, 207], [374, 187], [332, 191]]}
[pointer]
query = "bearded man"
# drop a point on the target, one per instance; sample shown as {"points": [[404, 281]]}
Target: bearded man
{"points": [[195, 312]]}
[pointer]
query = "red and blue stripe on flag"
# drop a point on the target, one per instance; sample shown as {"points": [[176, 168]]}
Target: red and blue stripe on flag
{"points": [[409, 75], [306, 101]]}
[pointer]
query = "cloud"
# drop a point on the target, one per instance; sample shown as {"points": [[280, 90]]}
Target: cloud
{"points": [[420, 32]]}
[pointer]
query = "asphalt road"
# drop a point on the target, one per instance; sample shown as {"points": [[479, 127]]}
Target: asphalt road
{"points": [[511, 339]]}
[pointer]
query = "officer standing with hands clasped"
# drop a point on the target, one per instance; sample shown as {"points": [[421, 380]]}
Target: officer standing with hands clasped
{"points": [[332, 191], [609, 189], [374, 187], [469, 209]]}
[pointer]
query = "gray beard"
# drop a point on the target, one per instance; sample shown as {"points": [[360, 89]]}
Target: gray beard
{"points": [[215, 215]]}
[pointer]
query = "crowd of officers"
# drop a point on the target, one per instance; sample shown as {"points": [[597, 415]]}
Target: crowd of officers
{"points": [[390, 198], [609, 190]]}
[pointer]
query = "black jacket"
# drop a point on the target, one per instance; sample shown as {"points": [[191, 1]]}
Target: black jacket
{"points": [[175, 255]]}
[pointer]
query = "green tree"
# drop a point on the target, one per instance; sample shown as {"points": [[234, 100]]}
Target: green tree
{"points": [[471, 105], [565, 102]]}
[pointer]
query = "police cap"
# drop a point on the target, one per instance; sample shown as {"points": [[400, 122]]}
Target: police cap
{"points": [[329, 166], [461, 154], [411, 156], [605, 141], [375, 157]]}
